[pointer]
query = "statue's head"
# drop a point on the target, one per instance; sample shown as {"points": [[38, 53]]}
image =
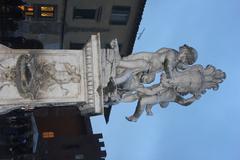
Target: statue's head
{"points": [[188, 82], [187, 55], [197, 79]]}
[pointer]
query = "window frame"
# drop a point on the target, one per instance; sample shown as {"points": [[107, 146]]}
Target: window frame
{"points": [[26, 11], [84, 13], [48, 134], [40, 12], [119, 12]]}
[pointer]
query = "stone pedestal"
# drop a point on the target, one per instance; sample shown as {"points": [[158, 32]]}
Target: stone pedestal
{"points": [[45, 78]]}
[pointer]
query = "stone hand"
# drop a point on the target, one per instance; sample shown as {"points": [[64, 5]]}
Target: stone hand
{"points": [[168, 83], [197, 96], [142, 90]]}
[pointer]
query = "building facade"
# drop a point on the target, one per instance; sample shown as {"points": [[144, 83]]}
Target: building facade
{"points": [[68, 24], [65, 134], [49, 133]]}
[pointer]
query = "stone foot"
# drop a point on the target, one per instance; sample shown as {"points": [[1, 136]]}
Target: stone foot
{"points": [[132, 119], [149, 113]]}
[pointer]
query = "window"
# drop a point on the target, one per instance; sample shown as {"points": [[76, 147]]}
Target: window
{"points": [[120, 15], [21, 7], [84, 13], [39, 12], [47, 135], [29, 11], [47, 11], [47, 8], [76, 45], [46, 14]]}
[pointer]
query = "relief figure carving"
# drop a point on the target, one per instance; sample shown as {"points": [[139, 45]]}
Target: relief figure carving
{"points": [[33, 75]]}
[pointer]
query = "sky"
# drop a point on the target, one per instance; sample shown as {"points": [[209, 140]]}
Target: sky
{"points": [[209, 129]]}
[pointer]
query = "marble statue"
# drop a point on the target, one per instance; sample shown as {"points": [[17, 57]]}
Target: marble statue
{"points": [[149, 63], [194, 80], [95, 78], [179, 77], [140, 68]]}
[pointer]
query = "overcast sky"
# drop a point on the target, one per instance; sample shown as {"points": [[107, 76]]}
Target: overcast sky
{"points": [[209, 129]]}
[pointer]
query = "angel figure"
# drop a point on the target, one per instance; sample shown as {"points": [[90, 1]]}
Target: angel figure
{"points": [[147, 64], [194, 80]]}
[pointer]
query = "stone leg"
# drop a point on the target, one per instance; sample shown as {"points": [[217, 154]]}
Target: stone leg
{"points": [[149, 109], [129, 97], [142, 102], [131, 67], [123, 77]]}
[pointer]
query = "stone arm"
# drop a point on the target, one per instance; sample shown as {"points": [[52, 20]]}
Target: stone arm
{"points": [[181, 66], [147, 78], [169, 65], [185, 102], [138, 56], [155, 89]]}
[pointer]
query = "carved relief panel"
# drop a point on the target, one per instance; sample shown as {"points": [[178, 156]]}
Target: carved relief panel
{"points": [[41, 77]]}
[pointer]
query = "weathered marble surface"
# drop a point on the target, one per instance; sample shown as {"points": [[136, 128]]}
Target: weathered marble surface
{"points": [[179, 77], [94, 78], [35, 78]]}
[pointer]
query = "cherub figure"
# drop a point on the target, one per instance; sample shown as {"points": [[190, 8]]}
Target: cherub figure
{"points": [[194, 80], [147, 64], [139, 69]]}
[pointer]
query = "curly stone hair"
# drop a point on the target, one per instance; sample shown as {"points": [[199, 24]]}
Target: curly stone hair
{"points": [[191, 53]]}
